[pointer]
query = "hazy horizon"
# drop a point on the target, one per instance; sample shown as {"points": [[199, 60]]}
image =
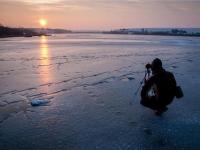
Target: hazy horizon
{"points": [[101, 14]]}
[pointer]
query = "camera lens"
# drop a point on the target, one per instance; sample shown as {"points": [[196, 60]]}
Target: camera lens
{"points": [[148, 66]]}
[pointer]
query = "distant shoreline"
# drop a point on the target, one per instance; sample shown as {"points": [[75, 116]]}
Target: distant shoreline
{"points": [[13, 36], [8, 32], [188, 35], [39, 35], [158, 32]]}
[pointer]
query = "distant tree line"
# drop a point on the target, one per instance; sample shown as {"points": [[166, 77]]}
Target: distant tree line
{"points": [[172, 32], [28, 32], [16, 32]]}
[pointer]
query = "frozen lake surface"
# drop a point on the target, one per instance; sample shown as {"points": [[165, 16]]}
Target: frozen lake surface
{"points": [[89, 82]]}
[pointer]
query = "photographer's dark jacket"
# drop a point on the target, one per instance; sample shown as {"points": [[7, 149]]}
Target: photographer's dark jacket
{"points": [[165, 85]]}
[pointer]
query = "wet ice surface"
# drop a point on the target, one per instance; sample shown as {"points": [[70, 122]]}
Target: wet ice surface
{"points": [[89, 81]]}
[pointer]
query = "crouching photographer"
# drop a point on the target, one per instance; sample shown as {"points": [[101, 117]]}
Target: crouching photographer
{"points": [[159, 89]]}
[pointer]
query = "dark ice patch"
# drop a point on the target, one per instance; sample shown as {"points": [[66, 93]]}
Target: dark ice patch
{"points": [[147, 131], [189, 60], [130, 78], [174, 67]]}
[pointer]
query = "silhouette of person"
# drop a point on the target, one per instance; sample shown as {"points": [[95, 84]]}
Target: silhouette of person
{"points": [[159, 90]]}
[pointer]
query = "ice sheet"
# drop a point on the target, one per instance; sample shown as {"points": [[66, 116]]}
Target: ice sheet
{"points": [[90, 81]]}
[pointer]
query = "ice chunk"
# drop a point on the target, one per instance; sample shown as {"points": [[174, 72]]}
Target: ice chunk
{"points": [[39, 102]]}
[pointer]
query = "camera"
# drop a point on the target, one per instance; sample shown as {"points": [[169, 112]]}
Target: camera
{"points": [[148, 66]]}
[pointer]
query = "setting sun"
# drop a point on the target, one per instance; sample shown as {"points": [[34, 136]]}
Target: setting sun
{"points": [[43, 22]]}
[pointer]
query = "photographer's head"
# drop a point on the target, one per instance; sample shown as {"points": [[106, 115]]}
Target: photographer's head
{"points": [[156, 65]]}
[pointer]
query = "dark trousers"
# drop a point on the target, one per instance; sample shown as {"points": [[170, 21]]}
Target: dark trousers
{"points": [[154, 103]]}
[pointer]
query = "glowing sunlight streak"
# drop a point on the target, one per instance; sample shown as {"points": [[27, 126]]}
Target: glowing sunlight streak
{"points": [[43, 40], [45, 62]]}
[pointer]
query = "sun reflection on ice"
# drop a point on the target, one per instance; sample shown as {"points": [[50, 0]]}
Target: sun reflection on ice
{"points": [[43, 40], [45, 61]]}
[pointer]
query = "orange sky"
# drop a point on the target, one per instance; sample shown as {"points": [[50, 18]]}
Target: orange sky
{"points": [[100, 14]]}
